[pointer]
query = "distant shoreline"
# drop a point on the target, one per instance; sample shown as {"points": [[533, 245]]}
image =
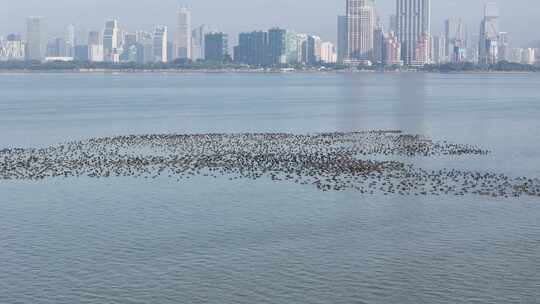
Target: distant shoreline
{"points": [[233, 71]]}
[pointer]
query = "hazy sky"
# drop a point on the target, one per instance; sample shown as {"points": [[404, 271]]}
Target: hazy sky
{"points": [[232, 16]]}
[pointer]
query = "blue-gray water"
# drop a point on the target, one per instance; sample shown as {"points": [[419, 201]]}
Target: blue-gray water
{"points": [[127, 240]]}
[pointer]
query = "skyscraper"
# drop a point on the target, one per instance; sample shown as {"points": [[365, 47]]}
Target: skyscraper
{"points": [[328, 52], [252, 48], [216, 47], [160, 44], [277, 40], [378, 45], [392, 23], [505, 52], [110, 41], [183, 34], [438, 50], [197, 43], [456, 37], [35, 39], [413, 28], [342, 35], [489, 35], [12, 48], [70, 41], [313, 50], [392, 54], [360, 28]]}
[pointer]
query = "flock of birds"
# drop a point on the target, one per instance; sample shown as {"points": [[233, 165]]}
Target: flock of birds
{"points": [[328, 161]]}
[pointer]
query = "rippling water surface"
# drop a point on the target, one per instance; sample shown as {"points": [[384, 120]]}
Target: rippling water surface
{"points": [[203, 240]]}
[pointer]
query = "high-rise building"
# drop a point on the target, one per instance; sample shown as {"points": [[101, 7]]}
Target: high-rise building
{"points": [[253, 48], [197, 43], [293, 48], [183, 38], [70, 41], [528, 56], [216, 47], [378, 45], [342, 39], [488, 51], [328, 53], [505, 52], [472, 49], [392, 23], [129, 48], [95, 53], [393, 50], [360, 28], [81, 36], [456, 37], [313, 50], [277, 40], [438, 50], [12, 49], [111, 41], [94, 38], [413, 28], [35, 39], [160, 44], [303, 48], [145, 47], [81, 53], [56, 48]]}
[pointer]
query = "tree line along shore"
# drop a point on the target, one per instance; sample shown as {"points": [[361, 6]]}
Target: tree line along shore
{"points": [[79, 66]]}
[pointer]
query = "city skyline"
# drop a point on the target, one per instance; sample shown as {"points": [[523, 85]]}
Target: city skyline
{"points": [[321, 21], [361, 31]]}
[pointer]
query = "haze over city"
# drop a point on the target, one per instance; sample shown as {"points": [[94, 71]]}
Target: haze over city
{"points": [[234, 16]]}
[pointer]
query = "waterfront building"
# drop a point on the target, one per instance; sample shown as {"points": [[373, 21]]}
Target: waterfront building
{"points": [[360, 29], [392, 23], [488, 50], [111, 41], [35, 39], [94, 38], [96, 53], [422, 51], [81, 36], [70, 41], [413, 28], [472, 49], [313, 50], [81, 53], [277, 42], [392, 50], [303, 48], [129, 41], [438, 50], [183, 38], [197, 43], [528, 56], [342, 40], [12, 48], [328, 53], [160, 44], [378, 45], [505, 52], [253, 48], [456, 37], [293, 52], [56, 48], [216, 47], [517, 55]]}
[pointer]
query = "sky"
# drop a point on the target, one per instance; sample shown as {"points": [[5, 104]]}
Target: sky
{"points": [[316, 17]]}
